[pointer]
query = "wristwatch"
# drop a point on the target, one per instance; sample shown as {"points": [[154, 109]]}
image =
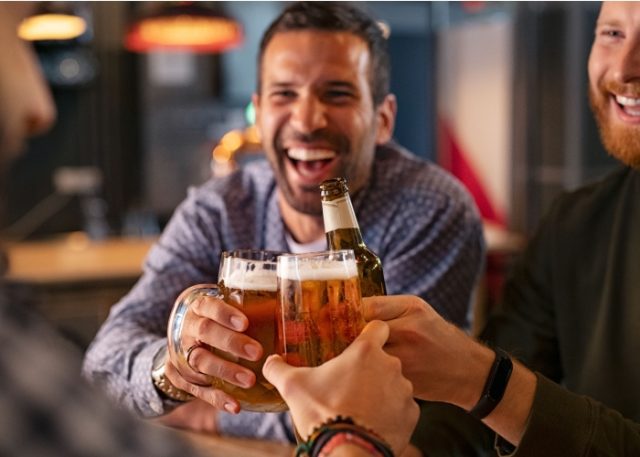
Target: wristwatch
{"points": [[495, 385], [161, 381]]}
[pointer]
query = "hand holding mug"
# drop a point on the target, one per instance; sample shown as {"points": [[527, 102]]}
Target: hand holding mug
{"points": [[219, 334]]}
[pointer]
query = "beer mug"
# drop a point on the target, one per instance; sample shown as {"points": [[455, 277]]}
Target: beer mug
{"points": [[247, 280], [320, 305]]}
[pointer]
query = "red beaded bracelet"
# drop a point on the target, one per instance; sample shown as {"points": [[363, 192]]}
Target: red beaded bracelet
{"points": [[348, 437], [322, 435]]}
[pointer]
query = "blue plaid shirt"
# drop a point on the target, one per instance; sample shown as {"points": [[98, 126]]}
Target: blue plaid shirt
{"points": [[415, 216]]}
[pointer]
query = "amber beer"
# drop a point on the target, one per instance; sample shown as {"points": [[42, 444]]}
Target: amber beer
{"points": [[251, 285], [343, 232], [321, 306]]}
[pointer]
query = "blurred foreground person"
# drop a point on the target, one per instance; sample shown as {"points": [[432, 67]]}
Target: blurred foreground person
{"points": [[45, 407]]}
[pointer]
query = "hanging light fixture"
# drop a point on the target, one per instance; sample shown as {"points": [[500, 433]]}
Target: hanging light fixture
{"points": [[185, 26], [52, 21]]}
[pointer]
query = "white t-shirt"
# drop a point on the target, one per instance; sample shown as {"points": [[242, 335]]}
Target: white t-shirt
{"points": [[299, 248]]}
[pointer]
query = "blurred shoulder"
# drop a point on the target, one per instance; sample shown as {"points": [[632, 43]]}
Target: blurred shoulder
{"points": [[403, 174], [595, 200], [253, 181]]}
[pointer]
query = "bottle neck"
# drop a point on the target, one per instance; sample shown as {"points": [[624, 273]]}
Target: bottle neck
{"points": [[340, 223], [339, 214]]}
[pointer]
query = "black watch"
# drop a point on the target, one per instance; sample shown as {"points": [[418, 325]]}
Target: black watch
{"points": [[495, 386]]}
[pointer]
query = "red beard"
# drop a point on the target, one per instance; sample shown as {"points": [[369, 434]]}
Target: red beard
{"points": [[620, 141]]}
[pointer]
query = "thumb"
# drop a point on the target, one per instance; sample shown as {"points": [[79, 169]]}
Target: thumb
{"points": [[389, 307], [275, 369], [375, 333], [384, 308]]}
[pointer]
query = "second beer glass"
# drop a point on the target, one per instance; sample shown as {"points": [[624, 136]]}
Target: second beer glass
{"points": [[319, 296]]}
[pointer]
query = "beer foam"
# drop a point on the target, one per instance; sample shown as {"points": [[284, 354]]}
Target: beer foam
{"points": [[251, 275], [318, 271]]}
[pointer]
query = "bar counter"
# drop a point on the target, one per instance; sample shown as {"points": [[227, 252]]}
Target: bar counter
{"points": [[73, 281]]}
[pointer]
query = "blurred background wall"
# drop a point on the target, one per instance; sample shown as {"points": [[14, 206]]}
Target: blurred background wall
{"points": [[494, 91]]}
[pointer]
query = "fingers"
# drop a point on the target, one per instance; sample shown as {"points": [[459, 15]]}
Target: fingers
{"points": [[275, 369], [190, 372], [208, 393], [389, 307], [213, 334], [214, 308], [211, 330], [375, 333], [204, 361], [211, 321], [215, 397]]}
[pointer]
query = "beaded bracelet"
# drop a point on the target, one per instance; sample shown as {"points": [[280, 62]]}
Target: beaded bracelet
{"points": [[323, 434]]}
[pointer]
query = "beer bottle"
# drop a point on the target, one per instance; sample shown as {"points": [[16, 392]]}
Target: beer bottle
{"points": [[342, 231]]}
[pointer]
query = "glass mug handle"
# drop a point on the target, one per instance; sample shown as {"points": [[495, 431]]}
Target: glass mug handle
{"points": [[177, 347]]}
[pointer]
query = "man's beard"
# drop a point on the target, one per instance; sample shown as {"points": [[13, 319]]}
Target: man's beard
{"points": [[308, 201], [311, 206], [620, 141]]}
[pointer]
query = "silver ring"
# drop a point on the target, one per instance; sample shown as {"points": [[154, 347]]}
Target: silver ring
{"points": [[196, 345]]}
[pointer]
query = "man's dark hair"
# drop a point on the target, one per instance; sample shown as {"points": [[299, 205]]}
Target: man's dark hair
{"points": [[337, 17]]}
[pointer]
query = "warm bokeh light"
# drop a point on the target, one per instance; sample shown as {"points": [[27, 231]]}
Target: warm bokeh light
{"points": [[232, 140], [221, 154], [78, 241], [252, 135], [184, 32], [51, 27]]}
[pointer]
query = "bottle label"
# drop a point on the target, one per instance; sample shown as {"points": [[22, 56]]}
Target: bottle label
{"points": [[338, 214]]}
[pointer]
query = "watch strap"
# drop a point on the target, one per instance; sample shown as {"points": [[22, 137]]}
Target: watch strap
{"points": [[495, 386], [162, 383]]}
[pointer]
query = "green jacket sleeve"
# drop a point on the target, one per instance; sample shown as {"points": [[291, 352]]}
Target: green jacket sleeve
{"points": [[525, 322], [567, 424]]}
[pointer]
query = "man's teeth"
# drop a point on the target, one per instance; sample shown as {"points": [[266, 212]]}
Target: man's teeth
{"points": [[631, 106], [627, 101], [308, 155]]}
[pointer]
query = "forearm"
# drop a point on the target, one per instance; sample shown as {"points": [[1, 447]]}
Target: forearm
{"points": [[564, 423], [119, 359], [509, 418], [534, 414], [119, 363]]}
